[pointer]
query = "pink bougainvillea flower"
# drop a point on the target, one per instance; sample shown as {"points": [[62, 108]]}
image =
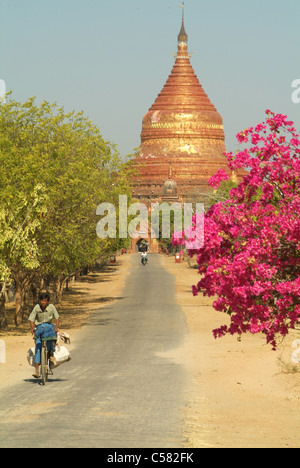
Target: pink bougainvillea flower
{"points": [[250, 257]]}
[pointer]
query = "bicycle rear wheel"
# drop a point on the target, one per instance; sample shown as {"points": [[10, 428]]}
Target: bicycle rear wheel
{"points": [[44, 363]]}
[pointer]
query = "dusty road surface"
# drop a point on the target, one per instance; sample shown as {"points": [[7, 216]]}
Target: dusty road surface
{"points": [[126, 389], [119, 390], [242, 394]]}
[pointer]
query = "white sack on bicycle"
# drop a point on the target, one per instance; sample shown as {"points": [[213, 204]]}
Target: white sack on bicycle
{"points": [[61, 355], [31, 357]]}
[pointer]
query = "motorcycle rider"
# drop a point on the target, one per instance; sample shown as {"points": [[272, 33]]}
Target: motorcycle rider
{"points": [[144, 256]]}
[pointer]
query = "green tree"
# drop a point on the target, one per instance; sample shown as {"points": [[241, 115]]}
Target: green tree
{"points": [[55, 170]]}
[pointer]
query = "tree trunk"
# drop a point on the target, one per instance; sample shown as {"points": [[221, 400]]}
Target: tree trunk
{"points": [[58, 288], [22, 282], [34, 293], [3, 319], [18, 300]]}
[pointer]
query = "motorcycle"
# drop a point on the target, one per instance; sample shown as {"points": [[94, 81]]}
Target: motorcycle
{"points": [[144, 260]]}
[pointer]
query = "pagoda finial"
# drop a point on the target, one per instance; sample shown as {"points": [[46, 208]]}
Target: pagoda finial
{"points": [[170, 171], [182, 37]]}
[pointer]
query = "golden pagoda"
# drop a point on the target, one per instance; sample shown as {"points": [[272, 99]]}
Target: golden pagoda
{"points": [[182, 135]]}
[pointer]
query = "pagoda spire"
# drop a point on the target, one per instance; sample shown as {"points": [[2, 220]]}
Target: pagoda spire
{"points": [[182, 137], [182, 37]]}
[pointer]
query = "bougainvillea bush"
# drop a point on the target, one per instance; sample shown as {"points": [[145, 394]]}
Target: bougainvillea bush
{"points": [[250, 260]]}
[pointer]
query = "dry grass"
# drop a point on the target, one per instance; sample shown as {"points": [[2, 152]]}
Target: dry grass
{"points": [[84, 295]]}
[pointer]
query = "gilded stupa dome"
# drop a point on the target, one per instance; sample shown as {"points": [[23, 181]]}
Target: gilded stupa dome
{"points": [[182, 127]]}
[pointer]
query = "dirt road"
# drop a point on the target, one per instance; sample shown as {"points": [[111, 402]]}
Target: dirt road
{"points": [[227, 393], [242, 394], [119, 390]]}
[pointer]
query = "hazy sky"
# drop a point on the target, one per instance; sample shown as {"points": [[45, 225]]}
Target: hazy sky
{"points": [[112, 58]]}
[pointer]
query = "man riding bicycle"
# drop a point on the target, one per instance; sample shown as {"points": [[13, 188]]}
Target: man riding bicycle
{"points": [[41, 317]]}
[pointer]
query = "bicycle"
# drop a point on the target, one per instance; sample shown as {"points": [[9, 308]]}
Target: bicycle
{"points": [[46, 368]]}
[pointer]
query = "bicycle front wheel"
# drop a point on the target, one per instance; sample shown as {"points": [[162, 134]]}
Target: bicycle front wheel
{"points": [[44, 364]]}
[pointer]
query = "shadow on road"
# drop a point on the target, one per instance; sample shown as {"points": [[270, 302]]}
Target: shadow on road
{"points": [[38, 381]]}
